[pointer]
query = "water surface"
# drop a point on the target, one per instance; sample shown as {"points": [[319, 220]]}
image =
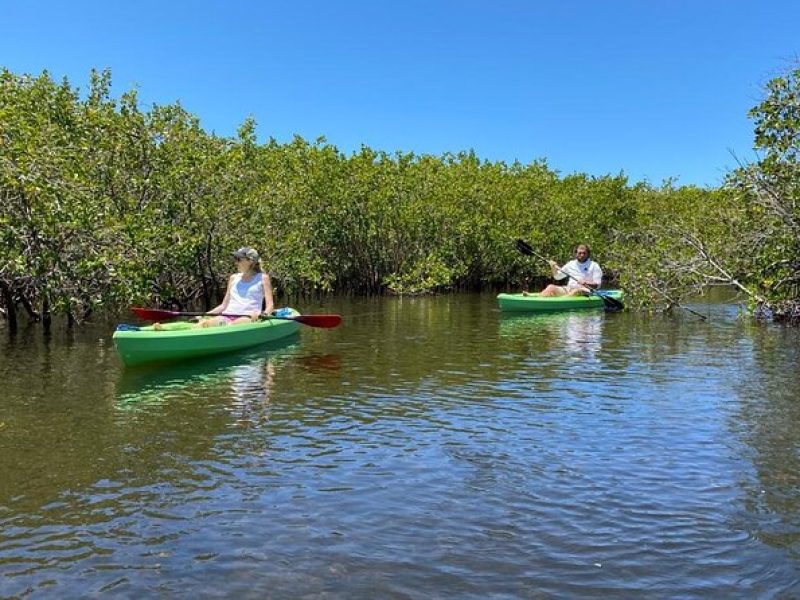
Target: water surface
{"points": [[428, 448]]}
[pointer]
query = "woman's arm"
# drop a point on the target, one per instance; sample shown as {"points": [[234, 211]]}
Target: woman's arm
{"points": [[269, 301], [221, 308]]}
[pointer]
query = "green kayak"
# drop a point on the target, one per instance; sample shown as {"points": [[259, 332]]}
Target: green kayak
{"points": [[537, 303], [181, 340]]}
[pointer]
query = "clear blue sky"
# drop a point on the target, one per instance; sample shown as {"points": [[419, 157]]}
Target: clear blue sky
{"points": [[654, 88]]}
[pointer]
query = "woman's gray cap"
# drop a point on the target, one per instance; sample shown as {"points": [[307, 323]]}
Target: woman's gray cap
{"points": [[246, 252]]}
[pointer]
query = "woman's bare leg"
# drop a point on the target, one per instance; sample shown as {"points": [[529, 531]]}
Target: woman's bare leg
{"points": [[239, 320], [211, 322]]}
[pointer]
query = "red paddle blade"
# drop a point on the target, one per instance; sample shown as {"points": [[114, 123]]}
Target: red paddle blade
{"points": [[318, 320], [154, 314]]}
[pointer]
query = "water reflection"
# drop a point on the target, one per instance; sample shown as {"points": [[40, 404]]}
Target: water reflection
{"points": [[574, 335], [149, 385], [768, 421], [320, 363], [430, 447]]}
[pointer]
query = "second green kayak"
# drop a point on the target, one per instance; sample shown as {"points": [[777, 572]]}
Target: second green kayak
{"points": [[537, 303], [181, 340]]}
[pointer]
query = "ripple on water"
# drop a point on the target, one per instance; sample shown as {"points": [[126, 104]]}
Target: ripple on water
{"points": [[431, 448]]}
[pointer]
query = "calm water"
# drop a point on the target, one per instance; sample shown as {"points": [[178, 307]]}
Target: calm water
{"points": [[428, 448]]}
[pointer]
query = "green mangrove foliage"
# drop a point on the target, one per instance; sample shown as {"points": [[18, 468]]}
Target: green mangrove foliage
{"points": [[745, 234], [105, 203], [771, 189]]}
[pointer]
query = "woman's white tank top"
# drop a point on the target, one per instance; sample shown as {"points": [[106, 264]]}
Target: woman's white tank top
{"points": [[246, 296]]}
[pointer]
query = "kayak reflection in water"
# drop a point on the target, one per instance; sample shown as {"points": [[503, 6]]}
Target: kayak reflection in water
{"points": [[582, 335], [248, 291], [582, 273]]}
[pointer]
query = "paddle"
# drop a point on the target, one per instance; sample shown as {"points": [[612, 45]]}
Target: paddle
{"points": [[158, 314], [610, 302]]}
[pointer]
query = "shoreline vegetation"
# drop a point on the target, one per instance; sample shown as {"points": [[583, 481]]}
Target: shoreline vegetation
{"points": [[105, 204]]}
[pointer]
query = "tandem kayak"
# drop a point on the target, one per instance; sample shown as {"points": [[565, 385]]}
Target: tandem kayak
{"points": [[181, 340], [538, 303]]}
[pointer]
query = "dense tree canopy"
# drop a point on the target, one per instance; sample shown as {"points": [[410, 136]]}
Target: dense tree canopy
{"points": [[104, 203]]}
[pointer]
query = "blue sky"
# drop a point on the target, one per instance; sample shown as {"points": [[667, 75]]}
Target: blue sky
{"points": [[652, 88]]}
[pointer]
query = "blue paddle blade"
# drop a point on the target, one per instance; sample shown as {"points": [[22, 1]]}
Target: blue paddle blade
{"points": [[126, 327]]}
